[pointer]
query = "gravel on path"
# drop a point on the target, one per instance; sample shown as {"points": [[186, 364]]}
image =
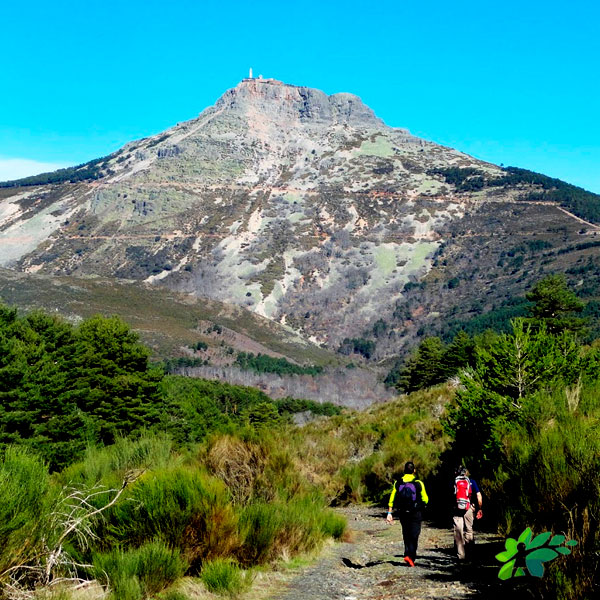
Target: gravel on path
{"points": [[371, 566]]}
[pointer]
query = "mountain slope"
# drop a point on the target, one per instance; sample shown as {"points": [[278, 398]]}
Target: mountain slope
{"points": [[170, 323], [306, 209], [200, 337]]}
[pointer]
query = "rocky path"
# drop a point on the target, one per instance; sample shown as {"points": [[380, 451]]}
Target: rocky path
{"points": [[370, 566]]}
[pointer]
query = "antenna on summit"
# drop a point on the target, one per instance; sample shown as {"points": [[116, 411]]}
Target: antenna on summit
{"points": [[250, 75]]}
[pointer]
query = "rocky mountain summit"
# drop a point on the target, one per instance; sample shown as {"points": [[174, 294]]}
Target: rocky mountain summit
{"points": [[306, 209]]}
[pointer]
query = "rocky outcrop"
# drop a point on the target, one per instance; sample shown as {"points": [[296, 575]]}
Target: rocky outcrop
{"points": [[168, 151], [289, 103]]}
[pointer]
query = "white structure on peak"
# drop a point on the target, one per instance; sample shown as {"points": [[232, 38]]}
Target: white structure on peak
{"points": [[260, 79]]}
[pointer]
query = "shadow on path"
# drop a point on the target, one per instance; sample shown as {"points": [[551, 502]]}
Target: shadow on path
{"points": [[348, 563], [374, 560], [479, 572]]}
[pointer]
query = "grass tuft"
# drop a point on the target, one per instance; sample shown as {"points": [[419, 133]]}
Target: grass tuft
{"points": [[141, 572], [225, 577]]}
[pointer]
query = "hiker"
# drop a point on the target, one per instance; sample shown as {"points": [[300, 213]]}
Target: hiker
{"points": [[412, 499], [467, 507]]}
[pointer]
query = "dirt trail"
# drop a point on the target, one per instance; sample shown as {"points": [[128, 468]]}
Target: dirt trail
{"points": [[371, 567]]}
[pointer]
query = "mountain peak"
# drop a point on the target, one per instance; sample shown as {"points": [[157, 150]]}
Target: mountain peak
{"points": [[304, 208], [285, 102]]}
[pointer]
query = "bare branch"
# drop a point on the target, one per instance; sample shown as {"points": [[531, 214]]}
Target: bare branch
{"points": [[73, 517]]}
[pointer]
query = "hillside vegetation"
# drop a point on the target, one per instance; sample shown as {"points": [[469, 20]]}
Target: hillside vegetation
{"points": [[361, 241], [67, 387], [89, 171], [201, 478], [165, 320], [213, 480], [582, 203]]}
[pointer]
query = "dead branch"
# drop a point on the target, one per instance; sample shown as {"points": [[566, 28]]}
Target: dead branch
{"points": [[72, 518]]}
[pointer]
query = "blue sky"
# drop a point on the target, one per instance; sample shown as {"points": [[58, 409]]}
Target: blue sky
{"points": [[516, 83]]}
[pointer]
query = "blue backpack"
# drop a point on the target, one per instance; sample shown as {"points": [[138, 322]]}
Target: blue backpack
{"points": [[407, 497]]}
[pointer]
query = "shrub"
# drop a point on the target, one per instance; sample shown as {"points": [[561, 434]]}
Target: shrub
{"points": [[108, 464], [254, 466], [283, 528], [24, 505], [548, 480], [59, 592], [332, 524], [173, 595], [223, 576], [355, 457], [186, 508], [260, 524], [300, 526], [140, 572]]}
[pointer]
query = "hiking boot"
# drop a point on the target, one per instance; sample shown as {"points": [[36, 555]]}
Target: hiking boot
{"points": [[409, 561]]}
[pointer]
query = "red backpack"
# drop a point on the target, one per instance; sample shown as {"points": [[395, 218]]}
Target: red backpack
{"points": [[462, 491]]}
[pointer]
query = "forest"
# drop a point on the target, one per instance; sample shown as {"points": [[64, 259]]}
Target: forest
{"points": [[580, 202], [113, 472], [89, 171]]}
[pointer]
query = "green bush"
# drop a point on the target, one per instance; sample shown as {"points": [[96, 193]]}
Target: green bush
{"points": [[140, 572], [526, 421], [173, 595], [548, 480], [285, 528], [259, 524], [25, 504], [332, 524], [300, 529], [109, 464], [223, 576], [57, 593], [184, 507], [125, 587]]}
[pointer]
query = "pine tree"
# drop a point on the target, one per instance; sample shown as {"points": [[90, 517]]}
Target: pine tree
{"points": [[116, 386], [458, 355], [424, 368], [62, 388], [555, 304]]}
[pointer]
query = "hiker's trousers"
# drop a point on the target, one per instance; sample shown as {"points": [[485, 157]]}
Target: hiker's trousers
{"points": [[411, 529], [463, 530]]}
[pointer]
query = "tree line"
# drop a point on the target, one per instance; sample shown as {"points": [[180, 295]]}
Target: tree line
{"points": [[581, 202], [262, 363], [64, 388], [89, 171], [550, 302]]}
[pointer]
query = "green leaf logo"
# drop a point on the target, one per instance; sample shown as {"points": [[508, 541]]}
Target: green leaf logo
{"points": [[527, 554]]}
